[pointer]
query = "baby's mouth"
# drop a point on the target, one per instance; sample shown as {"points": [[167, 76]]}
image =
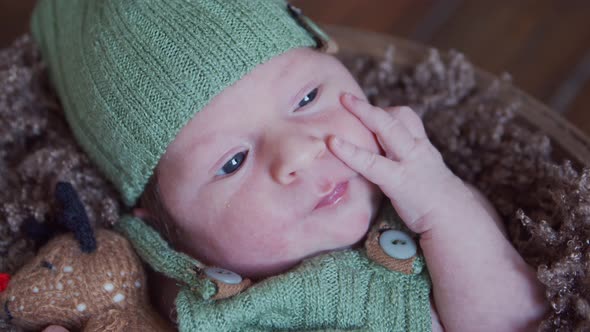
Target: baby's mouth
{"points": [[334, 197]]}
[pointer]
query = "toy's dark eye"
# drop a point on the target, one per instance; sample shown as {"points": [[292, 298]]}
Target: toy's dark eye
{"points": [[47, 265], [308, 98]]}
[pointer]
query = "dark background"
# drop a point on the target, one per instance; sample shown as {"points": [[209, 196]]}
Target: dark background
{"points": [[543, 44]]}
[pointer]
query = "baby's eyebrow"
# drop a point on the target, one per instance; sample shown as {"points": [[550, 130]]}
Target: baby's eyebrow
{"points": [[292, 70], [286, 70], [201, 151], [201, 141]]}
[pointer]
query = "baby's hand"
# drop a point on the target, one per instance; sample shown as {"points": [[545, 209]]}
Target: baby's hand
{"points": [[412, 172], [480, 282]]}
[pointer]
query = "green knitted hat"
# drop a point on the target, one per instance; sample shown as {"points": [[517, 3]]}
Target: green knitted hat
{"points": [[132, 73]]}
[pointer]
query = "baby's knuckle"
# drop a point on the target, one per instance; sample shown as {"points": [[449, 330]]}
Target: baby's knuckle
{"points": [[425, 146], [434, 152], [392, 110], [373, 108], [388, 125], [420, 148], [411, 118], [369, 161], [423, 142], [356, 151], [396, 110], [406, 111], [410, 113], [402, 176]]}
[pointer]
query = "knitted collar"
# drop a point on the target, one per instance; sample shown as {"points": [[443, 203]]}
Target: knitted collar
{"points": [[368, 289]]}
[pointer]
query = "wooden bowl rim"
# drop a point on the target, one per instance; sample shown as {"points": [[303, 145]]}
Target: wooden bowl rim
{"points": [[568, 137]]}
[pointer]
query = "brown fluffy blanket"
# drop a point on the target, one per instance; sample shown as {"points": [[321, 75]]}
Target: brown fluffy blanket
{"points": [[544, 202]]}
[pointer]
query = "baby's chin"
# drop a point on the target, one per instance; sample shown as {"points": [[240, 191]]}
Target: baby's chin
{"points": [[353, 234]]}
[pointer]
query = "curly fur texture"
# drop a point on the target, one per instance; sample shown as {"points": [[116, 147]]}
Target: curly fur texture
{"points": [[544, 200]]}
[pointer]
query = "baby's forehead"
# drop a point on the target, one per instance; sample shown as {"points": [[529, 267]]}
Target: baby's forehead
{"points": [[271, 79], [283, 68], [295, 58], [270, 85]]}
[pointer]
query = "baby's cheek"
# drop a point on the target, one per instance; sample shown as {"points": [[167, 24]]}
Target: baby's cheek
{"points": [[342, 232], [256, 256], [256, 240], [356, 227]]}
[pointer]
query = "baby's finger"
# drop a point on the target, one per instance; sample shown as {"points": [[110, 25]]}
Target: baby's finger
{"points": [[377, 169], [394, 137], [410, 119]]}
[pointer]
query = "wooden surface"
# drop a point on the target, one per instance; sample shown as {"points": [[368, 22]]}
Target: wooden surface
{"points": [[543, 44], [568, 141]]}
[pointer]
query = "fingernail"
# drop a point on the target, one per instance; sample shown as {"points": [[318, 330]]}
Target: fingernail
{"points": [[350, 97], [337, 141], [341, 145]]}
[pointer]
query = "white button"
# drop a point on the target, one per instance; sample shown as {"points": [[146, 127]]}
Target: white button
{"points": [[397, 244], [225, 276]]}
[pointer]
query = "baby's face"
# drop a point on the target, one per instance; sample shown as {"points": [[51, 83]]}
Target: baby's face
{"points": [[245, 177]]}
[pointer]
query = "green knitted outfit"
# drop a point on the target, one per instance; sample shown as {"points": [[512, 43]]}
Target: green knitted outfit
{"points": [[340, 291], [130, 74]]}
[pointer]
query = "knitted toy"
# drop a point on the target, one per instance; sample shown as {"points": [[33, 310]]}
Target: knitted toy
{"points": [[88, 281]]}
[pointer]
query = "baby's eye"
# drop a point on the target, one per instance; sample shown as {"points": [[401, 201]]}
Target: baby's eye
{"points": [[308, 98], [233, 164]]}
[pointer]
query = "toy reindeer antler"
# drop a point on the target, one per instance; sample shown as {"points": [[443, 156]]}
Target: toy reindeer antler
{"points": [[73, 216]]}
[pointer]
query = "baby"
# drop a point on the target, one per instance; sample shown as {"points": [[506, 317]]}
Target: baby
{"points": [[278, 177]]}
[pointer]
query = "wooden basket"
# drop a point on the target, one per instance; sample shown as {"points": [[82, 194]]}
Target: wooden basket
{"points": [[568, 141]]}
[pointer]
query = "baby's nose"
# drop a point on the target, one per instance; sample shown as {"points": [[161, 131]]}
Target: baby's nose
{"points": [[294, 156]]}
